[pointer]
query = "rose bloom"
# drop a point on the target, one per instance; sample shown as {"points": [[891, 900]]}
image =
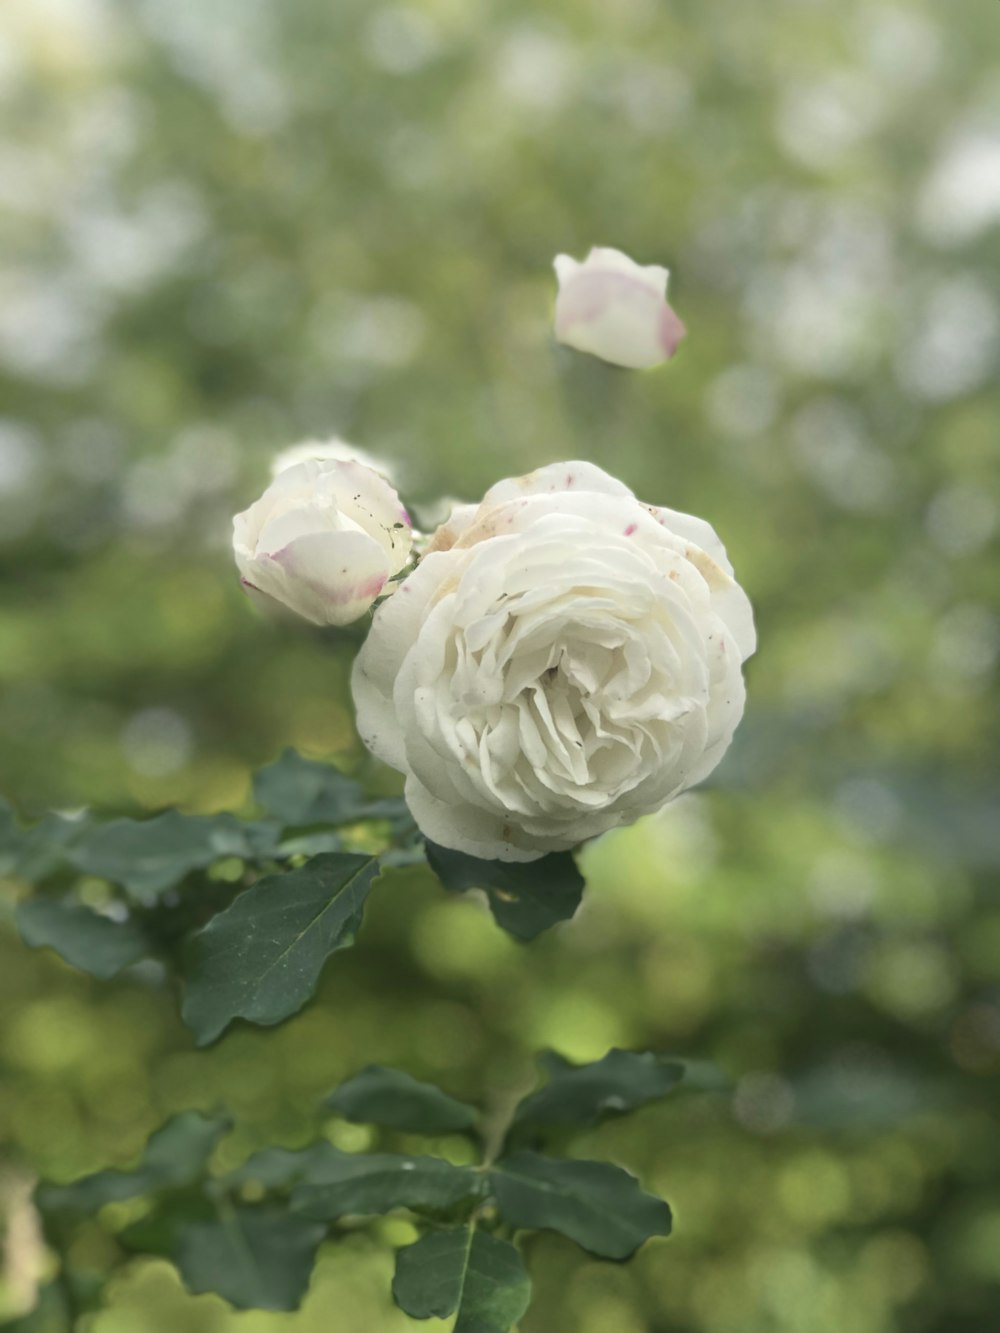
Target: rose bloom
{"points": [[616, 309], [562, 661], [322, 541]]}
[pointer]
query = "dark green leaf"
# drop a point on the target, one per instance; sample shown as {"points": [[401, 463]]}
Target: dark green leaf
{"points": [[175, 1156], [262, 957], [526, 897], [256, 1258], [87, 940], [302, 792], [466, 1271], [379, 1182], [309, 844], [585, 1094], [277, 1168], [33, 853], [381, 1096], [598, 1205], [157, 1231], [147, 856]]}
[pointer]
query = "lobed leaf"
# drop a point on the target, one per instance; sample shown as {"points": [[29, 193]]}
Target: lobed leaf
{"points": [[586, 1094], [262, 957], [379, 1182], [148, 856], [600, 1206], [390, 1097], [174, 1157], [80, 936], [525, 897], [466, 1272]]}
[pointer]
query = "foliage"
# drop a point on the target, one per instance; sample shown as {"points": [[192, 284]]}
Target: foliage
{"points": [[259, 955], [259, 1254]]}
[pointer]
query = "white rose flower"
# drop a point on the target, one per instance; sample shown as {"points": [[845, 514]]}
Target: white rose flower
{"points": [[562, 661], [322, 541], [333, 450], [616, 309]]}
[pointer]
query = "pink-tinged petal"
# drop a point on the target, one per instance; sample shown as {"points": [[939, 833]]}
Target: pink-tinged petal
{"points": [[615, 309], [672, 331], [332, 578]]}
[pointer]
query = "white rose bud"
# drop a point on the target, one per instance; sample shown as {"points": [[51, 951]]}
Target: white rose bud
{"points": [[616, 309], [322, 541], [563, 660]]}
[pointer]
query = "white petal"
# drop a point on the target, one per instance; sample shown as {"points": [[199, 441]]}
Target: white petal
{"points": [[565, 268], [394, 631], [555, 477], [330, 578], [604, 259], [368, 499], [448, 532], [616, 309]]}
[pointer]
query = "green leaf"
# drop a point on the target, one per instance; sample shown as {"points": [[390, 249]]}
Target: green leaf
{"points": [[257, 1258], [302, 792], [526, 897], [381, 1096], [32, 854], [598, 1205], [309, 844], [586, 1094], [379, 1182], [81, 937], [277, 1168], [466, 1271], [148, 856], [175, 1156], [261, 958], [156, 1232]]}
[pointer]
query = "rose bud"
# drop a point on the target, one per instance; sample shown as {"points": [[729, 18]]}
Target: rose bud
{"points": [[322, 541], [616, 309]]}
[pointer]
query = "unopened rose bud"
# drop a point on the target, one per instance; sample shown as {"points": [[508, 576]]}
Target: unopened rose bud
{"points": [[322, 541], [616, 309]]}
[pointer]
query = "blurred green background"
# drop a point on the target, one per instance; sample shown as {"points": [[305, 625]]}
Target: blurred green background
{"points": [[228, 225]]}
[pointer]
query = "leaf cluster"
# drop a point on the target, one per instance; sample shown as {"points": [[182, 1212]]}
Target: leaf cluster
{"points": [[245, 912], [251, 1235]]}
